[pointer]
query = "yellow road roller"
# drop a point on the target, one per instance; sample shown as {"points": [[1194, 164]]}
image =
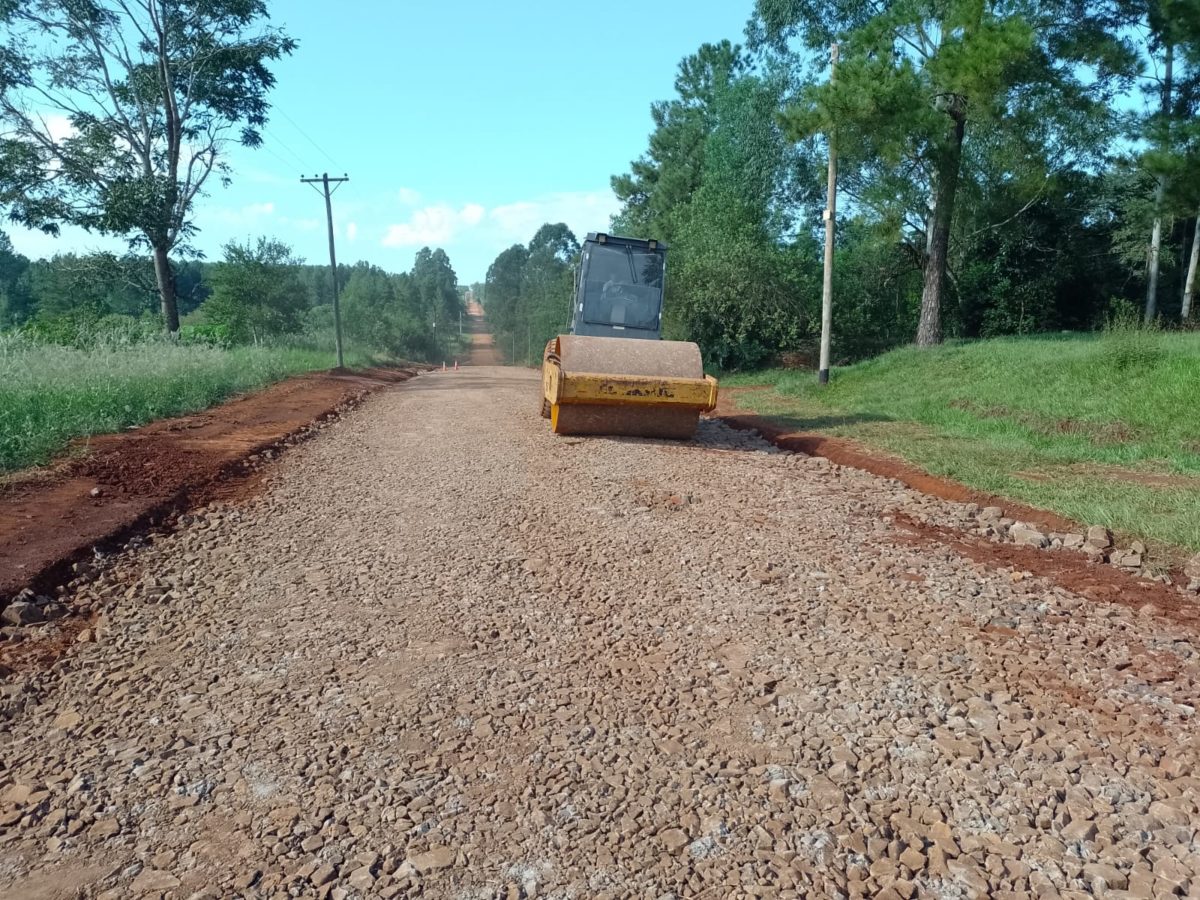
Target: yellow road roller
{"points": [[613, 374]]}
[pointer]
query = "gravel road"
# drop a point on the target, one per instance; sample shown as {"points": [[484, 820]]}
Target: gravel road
{"points": [[446, 654]]}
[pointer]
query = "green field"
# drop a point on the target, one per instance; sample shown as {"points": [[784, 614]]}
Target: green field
{"points": [[51, 394], [1104, 429]]}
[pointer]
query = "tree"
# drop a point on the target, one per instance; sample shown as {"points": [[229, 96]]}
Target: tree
{"points": [[384, 313], [1167, 34], [502, 288], [16, 300], [547, 285], [437, 285], [117, 112], [257, 292], [557, 240], [721, 185], [669, 173], [726, 279], [916, 78]]}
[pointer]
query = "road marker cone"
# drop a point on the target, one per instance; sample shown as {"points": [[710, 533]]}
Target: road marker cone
{"points": [[456, 365], [443, 365]]}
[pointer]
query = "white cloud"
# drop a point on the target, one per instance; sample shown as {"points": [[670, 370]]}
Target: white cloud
{"points": [[351, 230], [251, 212], [582, 211], [472, 214], [433, 225], [37, 245], [301, 224], [408, 197]]}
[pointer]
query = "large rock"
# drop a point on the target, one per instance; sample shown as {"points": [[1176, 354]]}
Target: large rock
{"points": [[153, 880], [1099, 537], [21, 612], [673, 839], [1028, 536], [1127, 559], [1192, 567], [431, 860]]}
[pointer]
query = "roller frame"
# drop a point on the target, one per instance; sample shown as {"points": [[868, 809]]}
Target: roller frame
{"points": [[659, 406], [595, 389]]}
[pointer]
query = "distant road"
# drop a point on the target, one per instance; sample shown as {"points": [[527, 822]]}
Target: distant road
{"points": [[483, 346]]}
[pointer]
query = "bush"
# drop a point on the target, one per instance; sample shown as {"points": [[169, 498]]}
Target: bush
{"points": [[257, 292], [1128, 344]]}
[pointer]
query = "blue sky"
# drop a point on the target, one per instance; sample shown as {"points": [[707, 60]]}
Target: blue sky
{"points": [[462, 124]]}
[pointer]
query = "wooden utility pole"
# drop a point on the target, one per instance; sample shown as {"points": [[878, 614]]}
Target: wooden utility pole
{"points": [[830, 217], [325, 181]]}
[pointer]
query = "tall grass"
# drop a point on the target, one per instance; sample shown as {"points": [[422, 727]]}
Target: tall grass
{"points": [[50, 394], [1073, 423]]}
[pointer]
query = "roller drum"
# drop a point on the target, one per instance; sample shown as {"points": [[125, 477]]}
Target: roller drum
{"points": [[627, 356], [630, 356]]}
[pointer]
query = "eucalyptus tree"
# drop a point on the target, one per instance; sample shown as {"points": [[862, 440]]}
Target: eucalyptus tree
{"points": [[114, 114], [502, 288], [437, 285]]}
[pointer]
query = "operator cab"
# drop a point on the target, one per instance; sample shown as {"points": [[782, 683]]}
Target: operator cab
{"points": [[619, 288]]}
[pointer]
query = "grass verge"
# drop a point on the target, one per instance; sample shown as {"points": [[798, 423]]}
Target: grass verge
{"points": [[1104, 429], [51, 394]]}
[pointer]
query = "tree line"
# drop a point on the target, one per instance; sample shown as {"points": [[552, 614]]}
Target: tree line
{"points": [[527, 292], [259, 291], [1005, 168]]}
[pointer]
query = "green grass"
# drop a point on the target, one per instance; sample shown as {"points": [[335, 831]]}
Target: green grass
{"points": [[51, 394], [1104, 429]]}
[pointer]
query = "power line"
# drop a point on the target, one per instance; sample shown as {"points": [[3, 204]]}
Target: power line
{"points": [[288, 163], [304, 133], [304, 166]]}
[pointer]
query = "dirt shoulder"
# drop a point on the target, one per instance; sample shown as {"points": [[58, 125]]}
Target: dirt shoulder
{"points": [[1070, 570], [846, 452], [51, 519]]}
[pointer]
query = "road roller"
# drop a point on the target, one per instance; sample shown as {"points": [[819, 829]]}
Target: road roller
{"points": [[613, 374]]}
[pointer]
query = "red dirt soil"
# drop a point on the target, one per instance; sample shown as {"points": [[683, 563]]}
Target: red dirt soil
{"points": [[50, 519], [1072, 571], [483, 350], [1069, 570]]}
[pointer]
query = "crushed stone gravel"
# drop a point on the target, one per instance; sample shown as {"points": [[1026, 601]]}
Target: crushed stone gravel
{"points": [[447, 654]]}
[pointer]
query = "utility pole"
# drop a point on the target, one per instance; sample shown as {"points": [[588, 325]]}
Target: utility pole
{"points": [[830, 216], [325, 181], [1156, 231]]}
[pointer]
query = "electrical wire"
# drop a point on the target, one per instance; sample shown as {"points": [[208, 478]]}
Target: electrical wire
{"points": [[304, 166], [304, 133], [288, 163]]}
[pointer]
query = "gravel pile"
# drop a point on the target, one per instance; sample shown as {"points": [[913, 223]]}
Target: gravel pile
{"points": [[447, 654]]}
